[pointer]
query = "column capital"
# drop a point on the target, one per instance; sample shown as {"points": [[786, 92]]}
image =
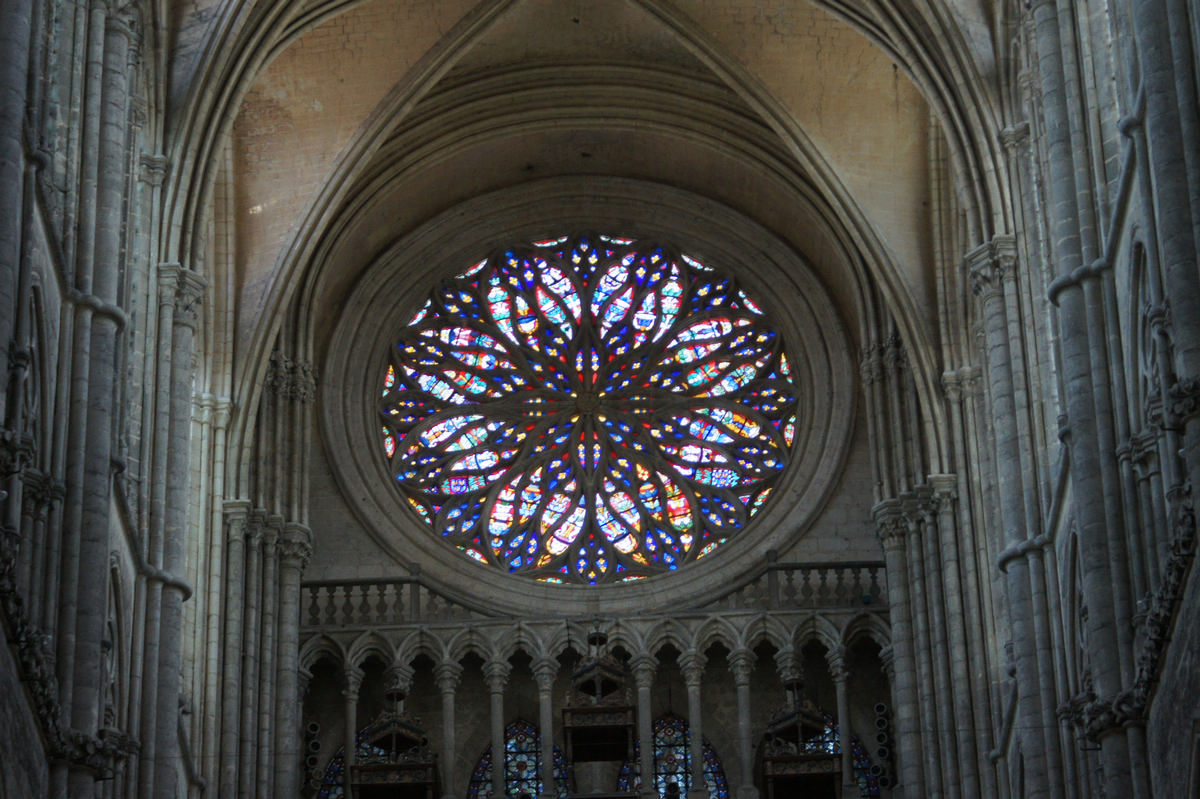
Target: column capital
{"points": [[295, 545], [989, 264], [785, 664], [545, 669], [399, 676], [836, 659], [496, 672], [692, 664], [945, 490], [644, 666], [352, 679], [891, 524], [741, 663], [447, 674]]}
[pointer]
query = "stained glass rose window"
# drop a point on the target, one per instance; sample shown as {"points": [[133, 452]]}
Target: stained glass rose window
{"points": [[588, 410]]}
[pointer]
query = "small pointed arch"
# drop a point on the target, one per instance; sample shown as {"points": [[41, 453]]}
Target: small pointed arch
{"points": [[772, 630], [368, 644], [318, 648], [718, 629], [558, 639], [462, 643], [630, 638], [820, 629], [528, 639], [419, 642], [868, 625], [667, 632]]}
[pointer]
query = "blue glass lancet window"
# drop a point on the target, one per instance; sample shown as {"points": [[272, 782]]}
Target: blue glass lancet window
{"points": [[673, 762], [522, 765]]}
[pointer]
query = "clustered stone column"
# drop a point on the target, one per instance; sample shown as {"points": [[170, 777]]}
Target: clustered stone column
{"points": [[496, 673], [447, 675], [353, 682], [692, 663], [295, 549], [991, 267], [544, 671], [644, 667], [741, 664]]}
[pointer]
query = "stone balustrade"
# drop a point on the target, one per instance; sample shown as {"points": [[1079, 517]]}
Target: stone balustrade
{"points": [[399, 601]]}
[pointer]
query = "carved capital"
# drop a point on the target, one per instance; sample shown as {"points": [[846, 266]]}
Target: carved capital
{"points": [[351, 683], [989, 264], [189, 294], [945, 491], [741, 664], [447, 674], [154, 169], [836, 659], [295, 545], [644, 667], [399, 677], [952, 386], [495, 673], [891, 524], [692, 664], [785, 663], [545, 669]]}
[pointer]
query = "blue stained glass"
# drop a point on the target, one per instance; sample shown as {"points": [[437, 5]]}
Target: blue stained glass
{"points": [[574, 362], [673, 762], [522, 765]]}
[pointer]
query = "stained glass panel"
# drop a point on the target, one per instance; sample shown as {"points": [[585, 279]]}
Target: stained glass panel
{"points": [[522, 765], [673, 762], [588, 409]]}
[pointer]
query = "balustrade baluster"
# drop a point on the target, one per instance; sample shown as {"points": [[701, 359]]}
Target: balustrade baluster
{"points": [[314, 605], [331, 605], [381, 607], [348, 605], [364, 606]]}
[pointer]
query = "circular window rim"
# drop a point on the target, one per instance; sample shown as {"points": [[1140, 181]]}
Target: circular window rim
{"points": [[393, 287]]}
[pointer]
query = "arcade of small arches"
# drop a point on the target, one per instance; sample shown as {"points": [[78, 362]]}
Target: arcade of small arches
{"points": [[729, 704]]}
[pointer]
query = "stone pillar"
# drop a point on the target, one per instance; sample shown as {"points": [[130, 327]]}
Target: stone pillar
{"points": [[644, 665], [692, 663], [496, 673], [251, 648], [741, 664], [354, 678], [295, 549], [447, 674], [189, 292], [990, 267], [944, 493], [236, 518], [544, 671], [1074, 256], [892, 531], [265, 739], [836, 658], [15, 19]]}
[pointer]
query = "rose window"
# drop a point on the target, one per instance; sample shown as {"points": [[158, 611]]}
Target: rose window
{"points": [[588, 410]]}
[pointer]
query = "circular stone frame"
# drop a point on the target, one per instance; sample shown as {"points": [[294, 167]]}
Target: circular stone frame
{"points": [[396, 284]]}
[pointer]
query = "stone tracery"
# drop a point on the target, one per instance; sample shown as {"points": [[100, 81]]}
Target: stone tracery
{"points": [[588, 410]]}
